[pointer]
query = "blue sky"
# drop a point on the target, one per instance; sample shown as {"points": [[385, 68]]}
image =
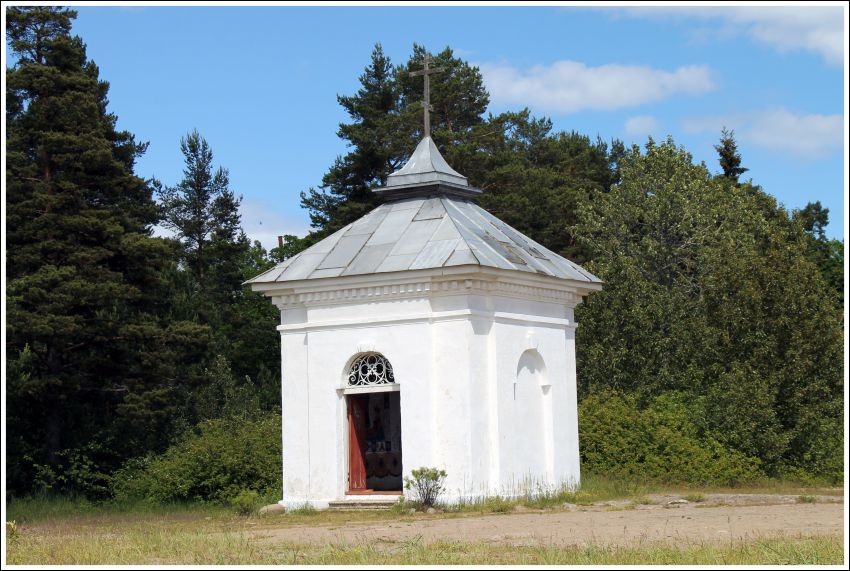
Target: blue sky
{"points": [[260, 83]]}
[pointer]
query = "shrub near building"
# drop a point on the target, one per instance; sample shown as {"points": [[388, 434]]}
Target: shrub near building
{"points": [[660, 442], [216, 461]]}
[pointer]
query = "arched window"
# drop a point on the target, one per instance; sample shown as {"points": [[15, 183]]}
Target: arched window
{"points": [[370, 369]]}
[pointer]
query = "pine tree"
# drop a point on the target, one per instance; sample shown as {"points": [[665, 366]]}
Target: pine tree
{"points": [[91, 361], [217, 256], [729, 157], [203, 213], [373, 134]]}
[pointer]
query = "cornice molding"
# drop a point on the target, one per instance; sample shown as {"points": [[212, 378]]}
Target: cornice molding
{"points": [[426, 289]]}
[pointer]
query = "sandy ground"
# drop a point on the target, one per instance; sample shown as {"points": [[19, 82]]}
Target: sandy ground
{"points": [[729, 518]]}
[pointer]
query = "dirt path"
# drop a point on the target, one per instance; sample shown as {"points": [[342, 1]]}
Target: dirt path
{"points": [[688, 523]]}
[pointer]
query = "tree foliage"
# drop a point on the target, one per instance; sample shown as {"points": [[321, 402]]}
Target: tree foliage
{"points": [[91, 348], [217, 257], [386, 123], [729, 157], [216, 461], [827, 254], [711, 294]]}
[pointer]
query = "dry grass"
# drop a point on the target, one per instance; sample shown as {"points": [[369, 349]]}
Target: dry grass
{"points": [[799, 551], [226, 541]]}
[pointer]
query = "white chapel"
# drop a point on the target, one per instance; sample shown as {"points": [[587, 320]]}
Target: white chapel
{"points": [[428, 333]]}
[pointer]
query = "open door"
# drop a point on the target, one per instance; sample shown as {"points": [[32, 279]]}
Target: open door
{"points": [[374, 443], [357, 442]]}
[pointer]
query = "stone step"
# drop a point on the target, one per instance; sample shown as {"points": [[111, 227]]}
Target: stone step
{"points": [[353, 505]]}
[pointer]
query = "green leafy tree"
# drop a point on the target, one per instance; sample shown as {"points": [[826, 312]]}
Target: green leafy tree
{"points": [[92, 357], [827, 254], [712, 294], [224, 396], [217, 256], [532, 178]]}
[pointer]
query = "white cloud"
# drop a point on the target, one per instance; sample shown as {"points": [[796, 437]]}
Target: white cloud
{"points": [[641, 126], [570, 86], [263, 222], [805, 136], [819, 29]]}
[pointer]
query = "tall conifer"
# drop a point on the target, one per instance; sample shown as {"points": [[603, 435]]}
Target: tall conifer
{"points": [[91, 363]]}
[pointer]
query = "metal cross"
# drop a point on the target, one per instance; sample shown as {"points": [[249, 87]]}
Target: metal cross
{"points": [[426, 103]]}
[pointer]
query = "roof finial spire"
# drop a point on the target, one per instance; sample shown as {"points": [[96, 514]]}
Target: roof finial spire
{"points": [[426, 103]]}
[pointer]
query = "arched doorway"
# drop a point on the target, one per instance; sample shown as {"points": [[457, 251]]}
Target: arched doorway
{"points": [[374, 426]]}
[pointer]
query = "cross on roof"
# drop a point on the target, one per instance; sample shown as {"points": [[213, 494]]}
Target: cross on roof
{"points": [[426, 103]]}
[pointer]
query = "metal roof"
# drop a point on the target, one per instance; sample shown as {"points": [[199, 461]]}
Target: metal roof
{"points": [[429, 222], [426, 164], [421, 233]]}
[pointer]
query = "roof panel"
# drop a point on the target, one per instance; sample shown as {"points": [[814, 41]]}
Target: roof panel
{"points": [[446, 230], [392, 227], [368, 260], [406, 204], [434, 254], [328, 273], [396, 263], [302, 267], [461, 258], [344, 251], [415, 236], [431, 208], [368, 223]]}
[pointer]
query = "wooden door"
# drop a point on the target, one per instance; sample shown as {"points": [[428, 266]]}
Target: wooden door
{"points": [[356, 442]]}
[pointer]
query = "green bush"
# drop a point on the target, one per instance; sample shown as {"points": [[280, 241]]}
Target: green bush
{"points": [[246, 502], [427, 484], [216, 461], [660, 442]]}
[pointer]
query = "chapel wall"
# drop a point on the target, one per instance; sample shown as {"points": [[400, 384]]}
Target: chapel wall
{"points": [[537, 422], [457, 373]]}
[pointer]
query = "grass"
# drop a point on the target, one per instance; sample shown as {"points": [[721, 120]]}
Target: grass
{"points": [[802, 551], [216, 544], [593, 489], [38, 508]]}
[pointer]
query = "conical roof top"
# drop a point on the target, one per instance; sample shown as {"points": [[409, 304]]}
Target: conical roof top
{"points": [[426, 173], [426, 165]]}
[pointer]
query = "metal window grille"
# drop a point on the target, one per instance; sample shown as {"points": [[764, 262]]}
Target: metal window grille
{"points": [[370, 369]]}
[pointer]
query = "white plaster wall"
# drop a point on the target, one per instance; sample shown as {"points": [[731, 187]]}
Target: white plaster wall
{"points": [[455, 358], [538, 429], [320, 440]]}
